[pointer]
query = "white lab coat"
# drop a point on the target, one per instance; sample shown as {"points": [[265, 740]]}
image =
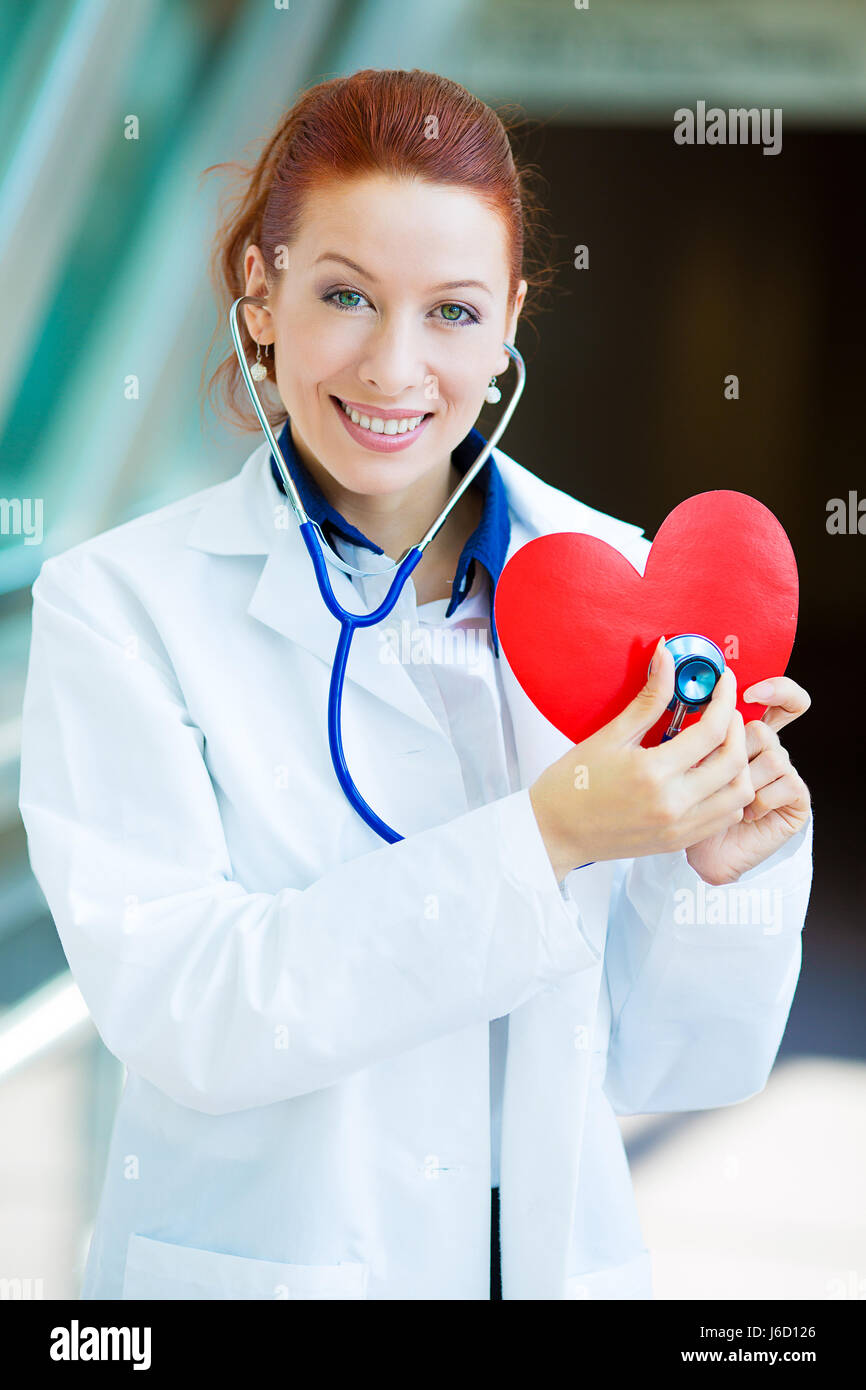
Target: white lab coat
{"points": [[302, 1010]]}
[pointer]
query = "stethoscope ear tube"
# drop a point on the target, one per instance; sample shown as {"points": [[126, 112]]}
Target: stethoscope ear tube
{"points": [[291, 491]]}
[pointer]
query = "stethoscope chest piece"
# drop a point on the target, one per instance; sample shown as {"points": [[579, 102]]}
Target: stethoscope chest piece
{"points": [[698, 665]]}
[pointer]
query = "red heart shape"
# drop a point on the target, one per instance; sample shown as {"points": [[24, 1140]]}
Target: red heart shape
{"points": [[579, 624]]}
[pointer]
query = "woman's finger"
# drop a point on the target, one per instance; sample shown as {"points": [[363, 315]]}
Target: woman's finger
{"points": [[758, 737], [788, 790], [784, 698], [768, 765], [697, 741]]}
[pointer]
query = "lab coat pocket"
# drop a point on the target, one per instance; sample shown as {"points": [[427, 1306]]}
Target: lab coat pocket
{"points": [[633, 1279], [157, 1269]]}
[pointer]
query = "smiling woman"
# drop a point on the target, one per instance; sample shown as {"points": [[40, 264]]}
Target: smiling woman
{"points": [[387, 192], [340, 1054]]}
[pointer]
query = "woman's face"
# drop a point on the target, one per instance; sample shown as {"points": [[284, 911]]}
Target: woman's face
{"points": [[394, 332]]}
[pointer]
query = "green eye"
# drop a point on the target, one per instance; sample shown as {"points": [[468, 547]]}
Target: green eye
{"points": [[457, 308], [353, 294]]}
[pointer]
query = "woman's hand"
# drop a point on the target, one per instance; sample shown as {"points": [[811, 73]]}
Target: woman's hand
{"points": [[781, 803], [609, 798]]}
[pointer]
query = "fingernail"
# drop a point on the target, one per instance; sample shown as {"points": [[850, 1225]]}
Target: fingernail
{"points": [[655, 661], [763, 691]]}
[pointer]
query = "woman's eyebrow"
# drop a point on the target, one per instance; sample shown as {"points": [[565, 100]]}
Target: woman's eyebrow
{"points": [[463, 284], [353, 265], [450, 285]]}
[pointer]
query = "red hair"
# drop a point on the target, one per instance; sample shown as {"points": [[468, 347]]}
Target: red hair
{"points": [[372, 122]]}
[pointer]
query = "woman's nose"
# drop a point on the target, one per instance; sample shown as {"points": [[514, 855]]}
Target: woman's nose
{"points": [[393, 364]]}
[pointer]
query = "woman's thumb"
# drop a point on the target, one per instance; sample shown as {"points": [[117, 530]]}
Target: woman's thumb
{"points": [[652, 699]]}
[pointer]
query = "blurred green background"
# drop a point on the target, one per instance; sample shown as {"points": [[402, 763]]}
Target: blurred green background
{"points": [[703, 262]]}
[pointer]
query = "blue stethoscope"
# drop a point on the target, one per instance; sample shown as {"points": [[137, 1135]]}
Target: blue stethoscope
{"points": [[317, 545]]}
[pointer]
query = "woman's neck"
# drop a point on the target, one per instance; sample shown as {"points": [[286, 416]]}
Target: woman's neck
{"points": [[396, 523]]}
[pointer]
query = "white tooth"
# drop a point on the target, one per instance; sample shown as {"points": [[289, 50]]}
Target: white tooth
{"points": [[390, 427], [365, 422], [353, 416], [377, 425], [402, 426]]}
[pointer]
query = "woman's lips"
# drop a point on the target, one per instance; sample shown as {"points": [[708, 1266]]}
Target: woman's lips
{"points": [[379, 443]]}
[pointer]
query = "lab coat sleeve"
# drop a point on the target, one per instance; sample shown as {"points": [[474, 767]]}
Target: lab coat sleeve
{"points": [[226, 998], [701, 978]]}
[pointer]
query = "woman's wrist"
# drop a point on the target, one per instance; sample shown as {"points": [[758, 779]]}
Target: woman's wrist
{"points": [[561, 851]]}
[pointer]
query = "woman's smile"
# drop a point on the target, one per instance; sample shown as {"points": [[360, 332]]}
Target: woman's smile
{"points": [[384, 433]]}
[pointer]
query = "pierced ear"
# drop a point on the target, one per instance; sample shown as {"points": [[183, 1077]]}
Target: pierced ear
{"points": [[513, 318], [251, 319], [259, 322], [257, 317]]}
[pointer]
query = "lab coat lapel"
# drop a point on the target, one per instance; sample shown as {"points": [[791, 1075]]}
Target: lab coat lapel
{"points": [[306, 620], [248, 517]]}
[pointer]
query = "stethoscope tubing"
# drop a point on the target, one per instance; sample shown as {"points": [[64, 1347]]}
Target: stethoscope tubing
{"points": [[349, 622]]}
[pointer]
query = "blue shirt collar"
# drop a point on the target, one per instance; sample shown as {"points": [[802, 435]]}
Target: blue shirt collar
{"points": [[488, 544]]}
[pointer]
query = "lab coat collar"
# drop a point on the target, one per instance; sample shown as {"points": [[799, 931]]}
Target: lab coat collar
{"points": [[488, 544]]}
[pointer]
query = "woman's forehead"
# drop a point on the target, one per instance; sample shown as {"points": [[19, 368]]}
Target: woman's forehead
{"points": [[442, 233]]}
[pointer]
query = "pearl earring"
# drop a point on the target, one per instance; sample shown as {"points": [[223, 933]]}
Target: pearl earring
{"points": [[259, 369], [493, 393]]}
